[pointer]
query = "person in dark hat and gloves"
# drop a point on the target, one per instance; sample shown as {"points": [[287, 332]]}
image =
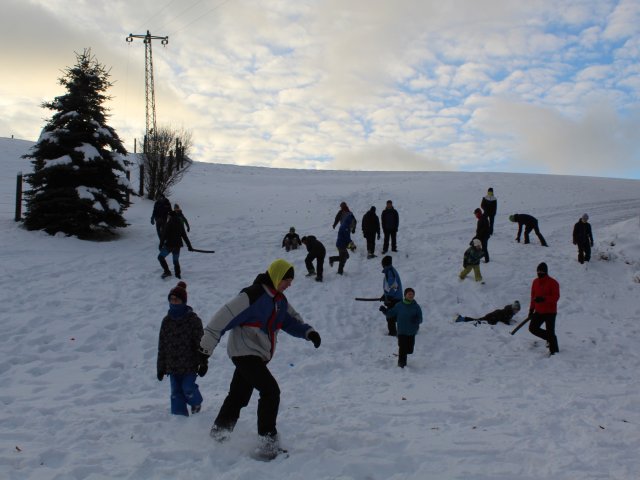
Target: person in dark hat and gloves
{"points": [[254, 318], [371, 228], [171, 243], [583, 238], [392, 292], [178, 352], [483, 230], [315, 251], [530, 223], [545, 293]]}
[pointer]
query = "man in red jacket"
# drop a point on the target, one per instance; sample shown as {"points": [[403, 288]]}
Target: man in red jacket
{"points": [[545, 292]]}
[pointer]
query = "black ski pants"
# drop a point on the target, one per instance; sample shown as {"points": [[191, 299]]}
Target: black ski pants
{"points": [[341, 258], [389, 234], [391, 322], [534, 227], [584, 251], [251, 373], [549, 332], [371, 243], [308, 261], [405, 347]]}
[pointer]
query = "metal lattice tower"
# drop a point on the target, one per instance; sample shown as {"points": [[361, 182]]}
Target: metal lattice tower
{"points": [[149, 90]]}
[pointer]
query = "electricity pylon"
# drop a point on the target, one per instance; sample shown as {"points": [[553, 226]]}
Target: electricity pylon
{"points": [[149, 91]]}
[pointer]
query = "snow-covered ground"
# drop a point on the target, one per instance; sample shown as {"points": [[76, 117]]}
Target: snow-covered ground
{"points": [[78, 336]]}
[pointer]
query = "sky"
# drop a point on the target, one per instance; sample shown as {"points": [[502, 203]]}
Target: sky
{"points": [[80, 324], [544, 86]]}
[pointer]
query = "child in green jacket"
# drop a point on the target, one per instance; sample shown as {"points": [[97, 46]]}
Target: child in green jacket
{"points": [[408, 316]]}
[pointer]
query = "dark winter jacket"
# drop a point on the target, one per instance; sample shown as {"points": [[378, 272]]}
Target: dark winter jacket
{"points": [[503, 315], [546, 291], [161, 209], [482, 227], [254, 318], [291, 237], [408, 316], [392, 285], [371, 223], [472, 256], [390, 220], [344, 232], [315, 247], [183, 219], [174, 233], [178, 344], [582, 233], [489, 205]]}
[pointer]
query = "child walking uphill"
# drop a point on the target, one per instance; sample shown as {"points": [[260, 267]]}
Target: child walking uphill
{"points": [[178, 352], [408, 316]]}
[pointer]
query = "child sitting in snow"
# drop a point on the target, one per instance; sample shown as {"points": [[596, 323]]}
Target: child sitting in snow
{"points": [[408, 315], [178, 356]]}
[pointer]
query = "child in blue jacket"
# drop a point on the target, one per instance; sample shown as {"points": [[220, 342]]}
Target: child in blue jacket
{"points": [[408, 316]]}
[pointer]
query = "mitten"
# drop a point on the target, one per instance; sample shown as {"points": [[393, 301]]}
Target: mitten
{"points": [[530, 311], [152, 221], [160, 375], [383, 309], [203, 366], [315, 338], [538, 299]]}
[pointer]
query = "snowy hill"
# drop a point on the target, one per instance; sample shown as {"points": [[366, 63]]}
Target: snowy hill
{"points": [[79, 336]]}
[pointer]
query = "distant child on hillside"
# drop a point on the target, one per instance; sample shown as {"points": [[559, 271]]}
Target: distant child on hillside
{"points": [[291, 240], [408, 315], [471, 260], [178, 356]]}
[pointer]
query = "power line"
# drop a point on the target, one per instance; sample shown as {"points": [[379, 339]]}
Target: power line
{"points": [[180, 14], [155, 15], [201, 16]]}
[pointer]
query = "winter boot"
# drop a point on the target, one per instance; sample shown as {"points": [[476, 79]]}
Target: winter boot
{"points": [[165, 267], [310, 273], [220, 434]]}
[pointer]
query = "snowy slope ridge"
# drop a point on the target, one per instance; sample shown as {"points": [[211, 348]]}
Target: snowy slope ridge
{"points": [[80, 323]]}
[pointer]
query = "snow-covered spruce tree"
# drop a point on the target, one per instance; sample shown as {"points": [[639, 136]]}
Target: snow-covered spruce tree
{"points": [[78, 185]]}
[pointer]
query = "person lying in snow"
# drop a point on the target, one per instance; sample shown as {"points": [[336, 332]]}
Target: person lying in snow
{"points": [[503, 315]]}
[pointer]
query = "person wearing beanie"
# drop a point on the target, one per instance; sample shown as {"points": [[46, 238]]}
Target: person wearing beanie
{"points": [[315, 251], [483, 231], [371, 229], [178, 210], [583, 238], [253, 319], [291, 240], [392, 292], [390, 222], [178, 352], [530, 223], [503, 315], [171, 243], [489, 205], [408, 315], [545, 293], [471, 260], [343, 241]]}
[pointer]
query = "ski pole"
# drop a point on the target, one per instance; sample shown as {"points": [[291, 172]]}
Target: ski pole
{"points": [[521, 324]]}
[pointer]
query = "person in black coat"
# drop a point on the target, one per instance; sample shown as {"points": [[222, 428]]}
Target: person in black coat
{"points": [[483, 231], [161, 209], [171, 242], [390, 221], [530, 223], [371, 228], [503, 315], [315, 251], [583, 238], [489, 206]]}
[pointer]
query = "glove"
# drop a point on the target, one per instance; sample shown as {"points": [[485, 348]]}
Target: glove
{"points": [[315, 338], [160, 375], [203, 365], [190, 248], [188, 229], [538, 299], [152, 221], [530, 311], [383, 309], [382, 298]]}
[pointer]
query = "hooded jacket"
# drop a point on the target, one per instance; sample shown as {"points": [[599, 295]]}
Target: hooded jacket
{"points": [[489, 205], [408, 316], [178, 344], [370, 223], [392, 285], [547, 288], [582, 233], [254, 318], [174, 233]]}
